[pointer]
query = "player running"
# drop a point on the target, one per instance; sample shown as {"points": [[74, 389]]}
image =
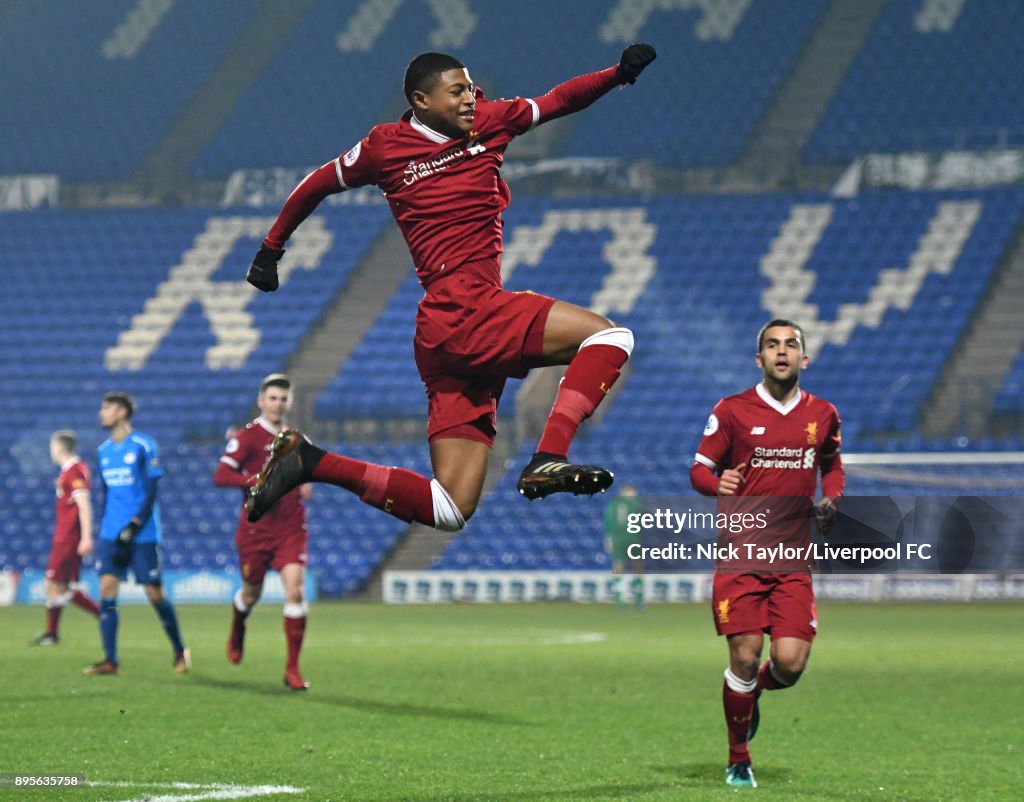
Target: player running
{"points": [[279, 540], [771, 440], [72, 536], [438, 166]]}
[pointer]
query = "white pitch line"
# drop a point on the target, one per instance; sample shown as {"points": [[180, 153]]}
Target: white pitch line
{"points": [[209, 792]]}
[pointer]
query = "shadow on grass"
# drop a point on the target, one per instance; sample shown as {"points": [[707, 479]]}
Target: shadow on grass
{"points": [[315, 696]]}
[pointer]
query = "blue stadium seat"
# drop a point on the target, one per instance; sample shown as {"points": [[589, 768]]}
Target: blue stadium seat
{"points": [[65, 121], [918, 87]]}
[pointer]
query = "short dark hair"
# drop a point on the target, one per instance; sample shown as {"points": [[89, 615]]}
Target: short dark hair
{"points": [[276, 380], [67, 439], [781, 321], [122, 400], [424, 70]]}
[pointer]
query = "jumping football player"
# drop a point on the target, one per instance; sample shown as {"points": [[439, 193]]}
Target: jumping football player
{"points": [[438, 166]]}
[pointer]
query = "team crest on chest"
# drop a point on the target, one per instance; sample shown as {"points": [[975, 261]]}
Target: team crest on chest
{"points": [[812, 433]]}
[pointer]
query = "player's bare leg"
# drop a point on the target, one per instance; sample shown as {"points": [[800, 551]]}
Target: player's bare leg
{"points": [[595, 351], [739, 701], [460, 466], [293, 577], [245, 599]]}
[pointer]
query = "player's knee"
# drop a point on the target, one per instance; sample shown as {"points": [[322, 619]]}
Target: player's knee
{"points": [[617, 336], [744, 667], [449, 516], [789, 669]]}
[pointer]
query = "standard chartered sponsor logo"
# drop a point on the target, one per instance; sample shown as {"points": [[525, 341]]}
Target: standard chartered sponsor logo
{"points": [[785, 458]]}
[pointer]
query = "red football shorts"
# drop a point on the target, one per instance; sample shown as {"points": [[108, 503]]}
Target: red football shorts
{"points": [[781, 605], [256, 557], [471, 336], [64, 563]]}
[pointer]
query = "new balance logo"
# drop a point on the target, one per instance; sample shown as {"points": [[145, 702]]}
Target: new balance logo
{"points": [[757, 430]]}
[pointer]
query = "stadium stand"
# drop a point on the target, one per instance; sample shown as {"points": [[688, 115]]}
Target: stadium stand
{"points": [[94, 112], [346, 543], [931, 77], [95, 277], [723, 76], [154, 302], [695, 347], [151, 300], [685, 273], [1010, 398], [883, 263]]}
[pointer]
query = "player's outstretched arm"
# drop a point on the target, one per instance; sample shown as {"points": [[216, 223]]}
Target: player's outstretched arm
{"points": [[579, 92], [300, 204]]}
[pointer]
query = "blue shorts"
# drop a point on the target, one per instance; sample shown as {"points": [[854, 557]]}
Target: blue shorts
{"points": [[114, 557]]}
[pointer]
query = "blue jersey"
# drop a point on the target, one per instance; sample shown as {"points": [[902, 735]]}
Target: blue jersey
{"points": [[129, 471]]}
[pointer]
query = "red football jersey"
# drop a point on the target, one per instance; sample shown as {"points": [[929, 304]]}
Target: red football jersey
{"points": [[446, 194], [72, 481], [782, 447], [246, 452]]}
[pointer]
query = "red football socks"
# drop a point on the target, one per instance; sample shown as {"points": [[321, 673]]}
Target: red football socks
{"points": [[739, 707], [587, 381], [766, 679], [294, 632], [398, 492], [52, 620]]}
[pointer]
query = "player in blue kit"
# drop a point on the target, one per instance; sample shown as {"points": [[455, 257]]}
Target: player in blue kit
{"points": [[130, 534]]}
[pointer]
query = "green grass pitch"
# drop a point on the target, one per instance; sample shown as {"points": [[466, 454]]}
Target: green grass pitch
{"points": [[519, 702]]}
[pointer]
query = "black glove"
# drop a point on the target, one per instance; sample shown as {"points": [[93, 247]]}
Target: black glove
{"points": [[128, 532], [634, 59], [263, 270]]}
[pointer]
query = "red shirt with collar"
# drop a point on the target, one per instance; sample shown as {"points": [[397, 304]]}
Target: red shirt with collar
{"points": [[245, 453]]}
